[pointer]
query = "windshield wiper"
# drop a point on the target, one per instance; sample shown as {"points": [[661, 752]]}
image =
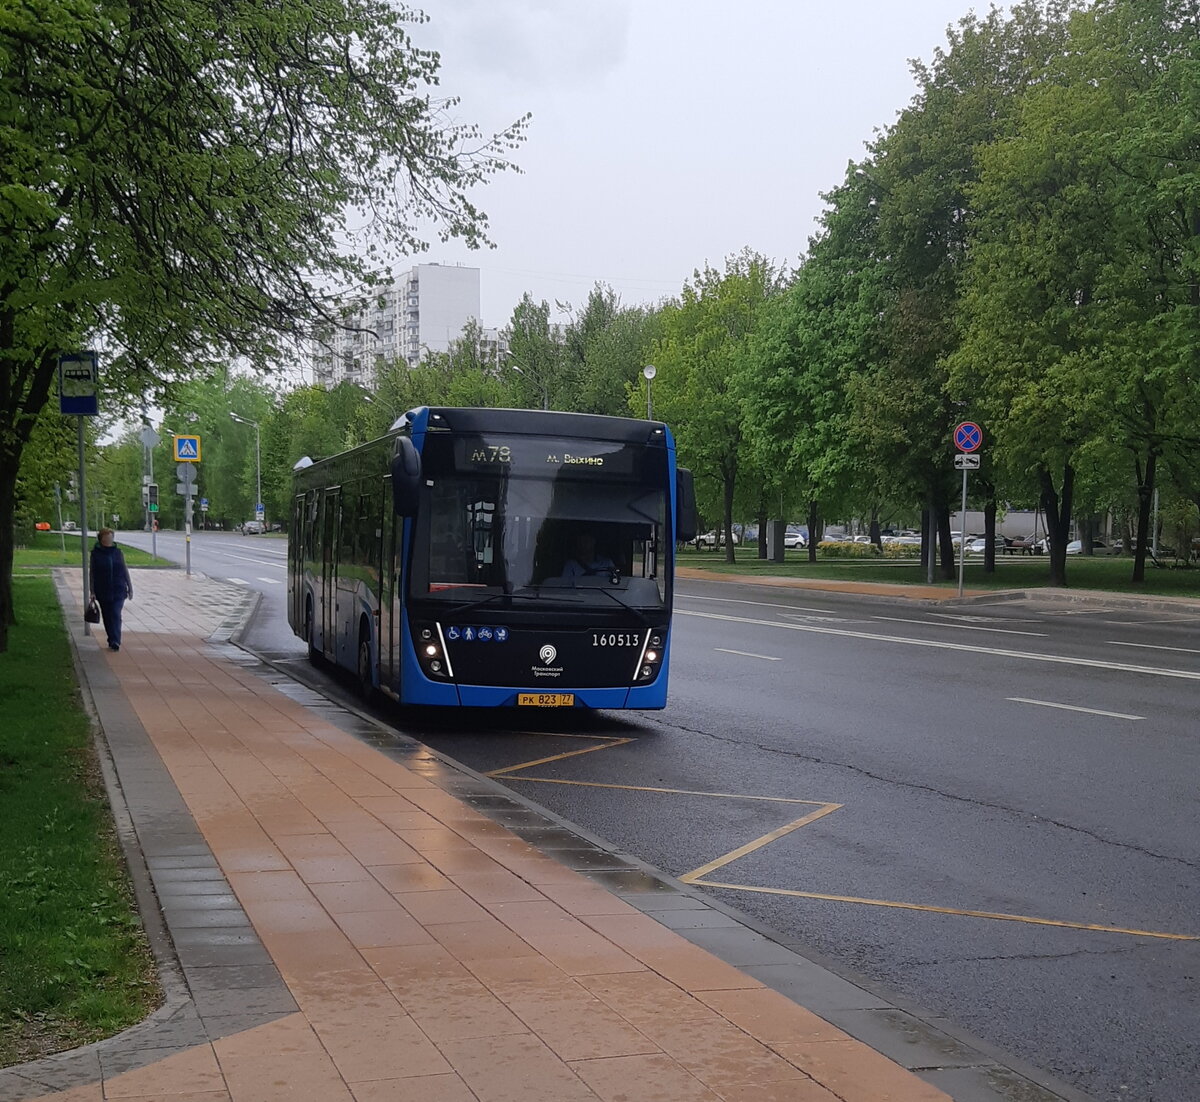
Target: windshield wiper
{"points": [[642, 617], [506, 596]]}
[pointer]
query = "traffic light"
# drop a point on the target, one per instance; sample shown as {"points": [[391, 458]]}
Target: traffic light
{"points": [[152, 497]]}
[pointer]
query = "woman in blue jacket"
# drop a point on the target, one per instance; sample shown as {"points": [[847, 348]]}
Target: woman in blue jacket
{"points": [[111, 584]]}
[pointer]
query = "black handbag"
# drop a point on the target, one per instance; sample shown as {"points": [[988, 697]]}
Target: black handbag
{"points": [[91, 614]]}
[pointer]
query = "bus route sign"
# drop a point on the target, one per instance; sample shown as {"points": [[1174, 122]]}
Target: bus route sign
{"points": [[968, 436]]}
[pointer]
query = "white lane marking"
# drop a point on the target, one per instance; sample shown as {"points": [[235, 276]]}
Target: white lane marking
{"points": [[747, 654], [979, 619], [237, 581], [243, 558], [1153, 620], [827, 619], [965, 627], [760, 604], [1151, 646], [270, 581], [937, 644], [1070, 708]]}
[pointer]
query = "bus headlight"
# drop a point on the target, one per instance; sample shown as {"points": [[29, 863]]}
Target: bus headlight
{"points": [[651, 660], [430, 650]]}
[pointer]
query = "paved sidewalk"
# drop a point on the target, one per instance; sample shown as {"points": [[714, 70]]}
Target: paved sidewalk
{"points": [[344, 922], [875, 589]]}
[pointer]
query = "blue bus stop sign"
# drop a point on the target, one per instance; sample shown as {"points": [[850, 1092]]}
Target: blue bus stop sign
{"points": [[78, 379], [968, 436]]}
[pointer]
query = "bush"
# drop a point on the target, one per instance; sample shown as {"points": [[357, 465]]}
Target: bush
{"points": [[901, 550], [847, 549]]}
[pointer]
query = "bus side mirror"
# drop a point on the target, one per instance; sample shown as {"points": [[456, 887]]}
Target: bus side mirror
{"points": [[406, 478], [685, 506]]}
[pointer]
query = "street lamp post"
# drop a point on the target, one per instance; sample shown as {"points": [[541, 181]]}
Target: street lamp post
{"points": [[541, 384], [258, 501], [648, 372]]}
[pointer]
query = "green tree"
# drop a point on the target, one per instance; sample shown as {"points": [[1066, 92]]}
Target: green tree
{"points": [[922, 171], [807, 346], [704, 348], [606, 345], [534, 361], [52, 455], [176, 185], [1085, 285]]}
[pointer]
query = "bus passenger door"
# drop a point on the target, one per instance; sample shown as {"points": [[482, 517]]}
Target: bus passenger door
{"points": [[389, 605], [295, 566], [332, 504]]}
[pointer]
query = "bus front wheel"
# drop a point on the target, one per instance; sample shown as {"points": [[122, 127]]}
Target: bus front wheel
{"points": [[365, 687], [313, 655]]}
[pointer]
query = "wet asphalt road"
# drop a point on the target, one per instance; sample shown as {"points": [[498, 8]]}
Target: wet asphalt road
{"points": [[978, 788]]}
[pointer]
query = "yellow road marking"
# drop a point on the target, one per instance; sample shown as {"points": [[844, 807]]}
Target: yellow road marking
{"points": [[608, 741], [674, 791], [823, 808], [997, 915], [693, 877]]}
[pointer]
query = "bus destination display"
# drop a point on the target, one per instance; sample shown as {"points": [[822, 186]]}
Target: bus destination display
{"points": [[540, 456]]}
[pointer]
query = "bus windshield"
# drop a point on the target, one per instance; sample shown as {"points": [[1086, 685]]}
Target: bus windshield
{"points": [[539, 518]]}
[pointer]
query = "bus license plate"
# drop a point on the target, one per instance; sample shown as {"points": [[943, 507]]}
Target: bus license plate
{"points": [[546, 700]]}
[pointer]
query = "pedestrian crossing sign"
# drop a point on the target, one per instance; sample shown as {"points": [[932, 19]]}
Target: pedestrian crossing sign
{"points": [[187, 449]]}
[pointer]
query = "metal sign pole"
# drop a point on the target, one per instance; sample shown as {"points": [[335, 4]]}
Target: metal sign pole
{"points": [[962, 524], [154, 517], [930, 537], [187, 527], [58, 505], [83, 529], [149, 517]]}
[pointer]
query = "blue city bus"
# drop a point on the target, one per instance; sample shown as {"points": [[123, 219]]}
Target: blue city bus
{"points": [[494, 558]]}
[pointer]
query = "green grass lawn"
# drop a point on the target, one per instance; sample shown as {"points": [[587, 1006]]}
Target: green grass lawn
{"points": [[74, 962], [1109, 573], [44, 549]]}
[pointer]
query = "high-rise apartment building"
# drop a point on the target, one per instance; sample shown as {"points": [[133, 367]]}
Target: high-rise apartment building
{"points": [[424, 309]]}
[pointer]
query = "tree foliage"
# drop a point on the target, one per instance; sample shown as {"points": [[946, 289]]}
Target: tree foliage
{"points": [[703, 357], [1021, 247], [177, 180]]}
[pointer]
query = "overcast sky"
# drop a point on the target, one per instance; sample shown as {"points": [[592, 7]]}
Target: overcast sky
{"points": [[667, 133]]}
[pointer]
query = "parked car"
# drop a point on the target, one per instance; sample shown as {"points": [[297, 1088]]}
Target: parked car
{"points": [[1021, 545], [1099, 547], [42, 526], [713, 539], [793, 537], [252, 528], [70, 526], [977, 545]]}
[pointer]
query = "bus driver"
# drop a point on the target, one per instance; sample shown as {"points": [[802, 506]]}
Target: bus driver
{"points": [[585, 559]]}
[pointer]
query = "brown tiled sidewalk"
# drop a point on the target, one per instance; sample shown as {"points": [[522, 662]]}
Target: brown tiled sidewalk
{"points": [[348, 929]]}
